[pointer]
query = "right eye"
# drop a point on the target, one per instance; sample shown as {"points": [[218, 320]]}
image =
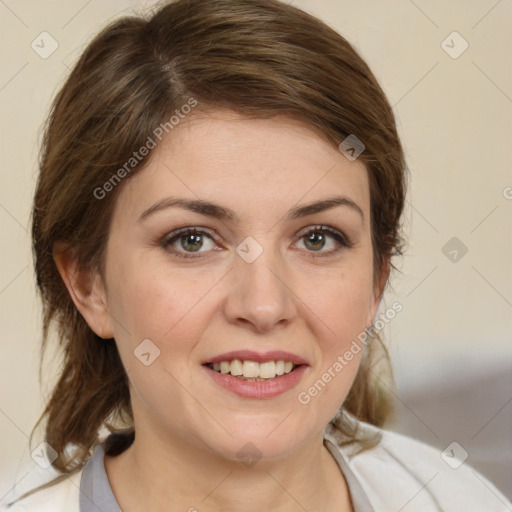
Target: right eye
{"points": [[185, 242]]}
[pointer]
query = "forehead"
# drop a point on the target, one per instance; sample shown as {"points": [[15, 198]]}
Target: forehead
{"points": [[239, 162]]}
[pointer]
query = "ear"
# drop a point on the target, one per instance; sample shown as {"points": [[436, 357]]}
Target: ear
{"points": [[378, 290], [86, 289]]}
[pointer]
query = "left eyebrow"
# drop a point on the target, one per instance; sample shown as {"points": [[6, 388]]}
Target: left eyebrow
{"points": [[325, 204], [219, 212]]}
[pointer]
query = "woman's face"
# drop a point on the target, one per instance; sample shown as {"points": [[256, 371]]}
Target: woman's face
{"points": [[261, 279]]}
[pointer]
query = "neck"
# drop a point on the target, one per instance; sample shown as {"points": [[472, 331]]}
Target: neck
{"points": [[176, 476]]}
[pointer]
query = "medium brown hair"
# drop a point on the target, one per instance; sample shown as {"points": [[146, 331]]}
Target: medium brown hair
{"points": [[260, 58]]}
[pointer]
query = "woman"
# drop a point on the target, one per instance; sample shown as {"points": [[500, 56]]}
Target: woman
{"points": [[218, 204]]}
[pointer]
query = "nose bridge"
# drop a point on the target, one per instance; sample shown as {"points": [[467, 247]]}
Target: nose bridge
{"points": [[259, 293]]}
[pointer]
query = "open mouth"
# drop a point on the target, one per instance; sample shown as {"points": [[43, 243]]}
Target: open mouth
{"points": [[252, 371], [249, 379]]}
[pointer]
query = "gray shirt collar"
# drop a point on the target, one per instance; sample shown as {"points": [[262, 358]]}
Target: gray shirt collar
{"points": [[96, 494]]}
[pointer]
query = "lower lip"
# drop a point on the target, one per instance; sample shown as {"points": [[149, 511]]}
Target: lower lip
{"points": [[258, 388]]}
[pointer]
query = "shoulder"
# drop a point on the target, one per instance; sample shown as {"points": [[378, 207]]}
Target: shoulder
{"points": [[44, 489], [62, 496], [402, 472]]}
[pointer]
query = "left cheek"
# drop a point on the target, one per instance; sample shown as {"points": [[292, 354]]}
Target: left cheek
{"points": [[345, 309]]}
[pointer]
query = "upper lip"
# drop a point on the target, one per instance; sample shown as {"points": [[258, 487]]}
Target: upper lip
{"points": [[258, 357]]}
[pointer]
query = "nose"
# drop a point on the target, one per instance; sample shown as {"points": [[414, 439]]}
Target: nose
{"points": [[259, 294]]}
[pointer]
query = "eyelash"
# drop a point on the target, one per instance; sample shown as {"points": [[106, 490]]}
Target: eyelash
{"points": [[340, 238]]}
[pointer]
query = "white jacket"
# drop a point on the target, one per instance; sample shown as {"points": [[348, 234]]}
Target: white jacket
{"points": [[399, 474]]}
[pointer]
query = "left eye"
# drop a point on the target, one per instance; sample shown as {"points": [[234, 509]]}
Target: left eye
{"points": [[320, 239]]}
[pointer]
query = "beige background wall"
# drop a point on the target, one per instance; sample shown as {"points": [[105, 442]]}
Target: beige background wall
{"points": [[455, 118]]}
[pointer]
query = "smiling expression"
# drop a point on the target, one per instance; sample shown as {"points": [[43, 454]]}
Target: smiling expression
{"points": [[239, 235]]}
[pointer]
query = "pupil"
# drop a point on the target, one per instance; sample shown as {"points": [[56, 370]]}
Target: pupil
{"points": [[193, 238], [316, 237]]}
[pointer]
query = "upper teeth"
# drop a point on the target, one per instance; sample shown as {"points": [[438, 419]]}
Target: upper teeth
{"points": [[267, 370]]}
